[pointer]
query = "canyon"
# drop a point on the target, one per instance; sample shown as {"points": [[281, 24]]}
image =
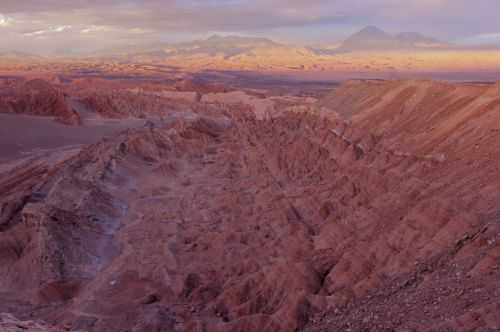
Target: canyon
{"points": [[202, 205]]}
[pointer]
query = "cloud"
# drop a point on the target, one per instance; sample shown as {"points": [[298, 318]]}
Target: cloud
{"points": [[231, 15], [55, 29], [95, 28], [4, 21], [480, 39], [96, 23]]}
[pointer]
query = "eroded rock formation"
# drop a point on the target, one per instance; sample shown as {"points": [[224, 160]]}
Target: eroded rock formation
{"points": [[383, 216], [36, 97]]}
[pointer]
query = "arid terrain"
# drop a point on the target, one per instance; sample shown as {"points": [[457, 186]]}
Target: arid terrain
{"points": [[370, 53], [222, 201]]}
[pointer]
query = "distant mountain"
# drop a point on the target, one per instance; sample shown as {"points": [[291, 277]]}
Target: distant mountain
{"points": [[369, 38], [231, 47], [15, 56], [414, 39], [237, 42], [374, 39], [227, 46]]}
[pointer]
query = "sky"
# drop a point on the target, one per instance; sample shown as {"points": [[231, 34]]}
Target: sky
{"points": [[72, 26]]}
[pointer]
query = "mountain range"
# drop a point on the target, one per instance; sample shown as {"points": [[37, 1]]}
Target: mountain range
{"points": [[373, 38], [368, 39], [228, 46], [368, 50]]}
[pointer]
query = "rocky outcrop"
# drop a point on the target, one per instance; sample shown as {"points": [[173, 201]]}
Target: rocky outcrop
{"points": [[121, 103], [37, 97], [9, 323]]}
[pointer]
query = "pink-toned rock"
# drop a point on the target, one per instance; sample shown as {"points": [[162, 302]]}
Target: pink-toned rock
{"points": [[37, 97], [219, 221]]}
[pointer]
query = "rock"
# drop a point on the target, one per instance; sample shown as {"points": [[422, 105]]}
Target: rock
{"points": [[9, 323], [150, 299], [38, 97]]}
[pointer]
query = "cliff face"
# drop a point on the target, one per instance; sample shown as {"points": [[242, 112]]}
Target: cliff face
{"points": [[377, 211], [442, 224], [423, 115], [37, 97]]}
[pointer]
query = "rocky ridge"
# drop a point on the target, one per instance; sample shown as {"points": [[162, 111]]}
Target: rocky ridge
{"points": [[37, 97]]}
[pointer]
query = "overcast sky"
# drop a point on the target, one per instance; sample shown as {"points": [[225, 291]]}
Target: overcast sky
{"points": [[77, 25]]}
